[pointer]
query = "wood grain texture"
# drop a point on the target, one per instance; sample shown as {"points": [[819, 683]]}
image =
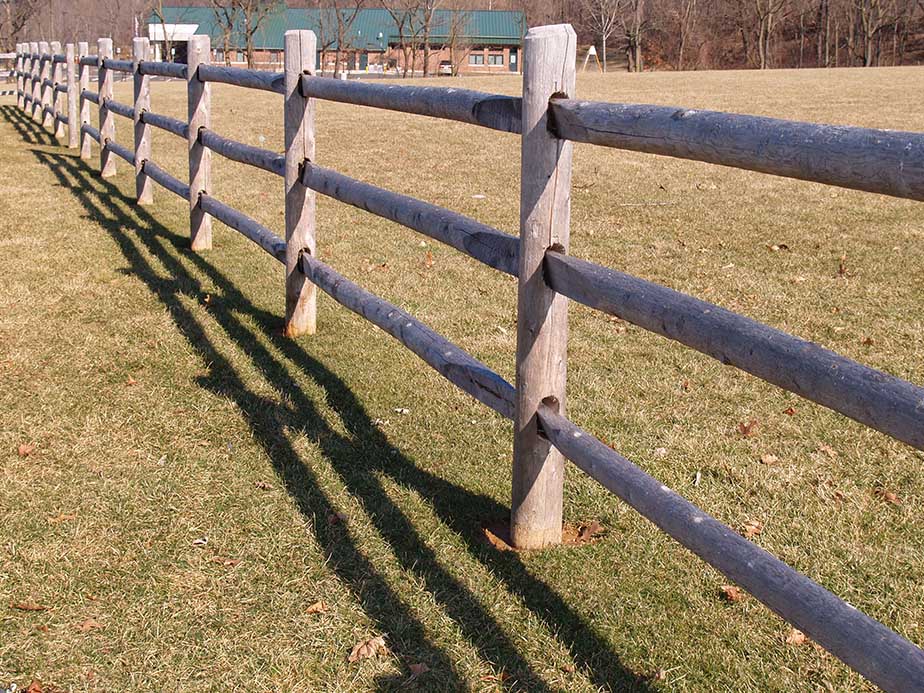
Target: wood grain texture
{"points": [[144, 187], [244, 153], [250, 79], [121, 109], [492, 111], [171, 125], [107, 127], [479, 241], [119, 65], [881, 401], [91, 132], [175, 70], [165, 180], [58, 86], [246, 226], [20, 76], [35, 71], [122, 152], [44, 79], [301, 295], [542, 315], [880, 161], [199, 95], [864, 644], [454, 364], [83, 86]]}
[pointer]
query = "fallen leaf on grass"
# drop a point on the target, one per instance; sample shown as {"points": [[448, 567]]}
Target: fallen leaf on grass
{"points": [[27, 606], [318, 607], [368, 648], [89, 624], [796, 637], [789, 412], [888, 496], [869, 341], [418, 669], [777, 247], [34, 687], [223, 560], [748, 429], [732, 593], [131, 381], [494, 539], [61, 517], [262, 485], [769, 459], [26, 449], [201, 541], [752, 528], [589, 531], [827, 449], [429, 260]]}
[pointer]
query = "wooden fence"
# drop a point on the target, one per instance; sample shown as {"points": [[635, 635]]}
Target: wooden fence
{"points": [[548, 120]]}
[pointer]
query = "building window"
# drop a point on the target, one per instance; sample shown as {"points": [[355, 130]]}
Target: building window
{"points": [[476, 59], [496, 59], [240, 56]]}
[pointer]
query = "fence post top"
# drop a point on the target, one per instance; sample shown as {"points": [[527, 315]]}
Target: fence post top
{"points": [[140, 41], [83, 48], [55, 45], [104, 44]]}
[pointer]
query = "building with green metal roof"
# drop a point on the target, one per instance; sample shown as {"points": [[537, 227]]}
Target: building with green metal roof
{"points": [[472, 41]]}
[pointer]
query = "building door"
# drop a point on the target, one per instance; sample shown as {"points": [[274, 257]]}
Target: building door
{"points": [[363, 61], [514, 66]]}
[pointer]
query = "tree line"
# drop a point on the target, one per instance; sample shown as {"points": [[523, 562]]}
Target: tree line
{"points": [[628, 34]]}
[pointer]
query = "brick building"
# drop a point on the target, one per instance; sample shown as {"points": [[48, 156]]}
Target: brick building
{"points": [[469, 42]]}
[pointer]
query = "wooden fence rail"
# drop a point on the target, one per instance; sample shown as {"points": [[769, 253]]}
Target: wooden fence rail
{"points": [[548, 120]]}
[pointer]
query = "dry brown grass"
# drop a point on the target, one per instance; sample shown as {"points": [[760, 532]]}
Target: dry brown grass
{"points": [[232, 433]]}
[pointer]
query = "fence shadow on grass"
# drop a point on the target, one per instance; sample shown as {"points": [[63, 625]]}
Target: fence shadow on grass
{"points": [[457, 507]]}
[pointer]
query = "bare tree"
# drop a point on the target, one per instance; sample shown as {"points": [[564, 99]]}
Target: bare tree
{"points": [[634, 26], [404, 14], [602, 18], [15, 17], [254, 15]]}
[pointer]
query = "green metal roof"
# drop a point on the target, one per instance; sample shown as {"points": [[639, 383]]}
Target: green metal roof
{"points": [[373, 29]]}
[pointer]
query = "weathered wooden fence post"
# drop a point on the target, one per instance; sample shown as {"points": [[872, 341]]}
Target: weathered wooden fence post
{"points": [[34, 69], [73, 126], [144, 186], [301, 295], [20, 66], [199, 107], [83, 50], [107, 132], [42, 75], [48, 92], [57, 77], [542, 315]]}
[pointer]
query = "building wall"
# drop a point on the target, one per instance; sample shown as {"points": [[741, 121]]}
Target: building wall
{"points": [[480, 60]]}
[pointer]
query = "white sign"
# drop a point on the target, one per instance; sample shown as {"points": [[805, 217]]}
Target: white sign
{"points": [[593, 50]]}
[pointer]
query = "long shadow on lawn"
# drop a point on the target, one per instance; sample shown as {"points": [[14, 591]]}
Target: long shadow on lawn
{"points": [[458, 508]]}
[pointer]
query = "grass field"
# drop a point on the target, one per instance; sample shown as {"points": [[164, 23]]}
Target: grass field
{"points": [[198, 481]]}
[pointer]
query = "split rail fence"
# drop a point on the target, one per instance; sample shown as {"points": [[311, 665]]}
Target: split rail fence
{"points": [[548, 119]]}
